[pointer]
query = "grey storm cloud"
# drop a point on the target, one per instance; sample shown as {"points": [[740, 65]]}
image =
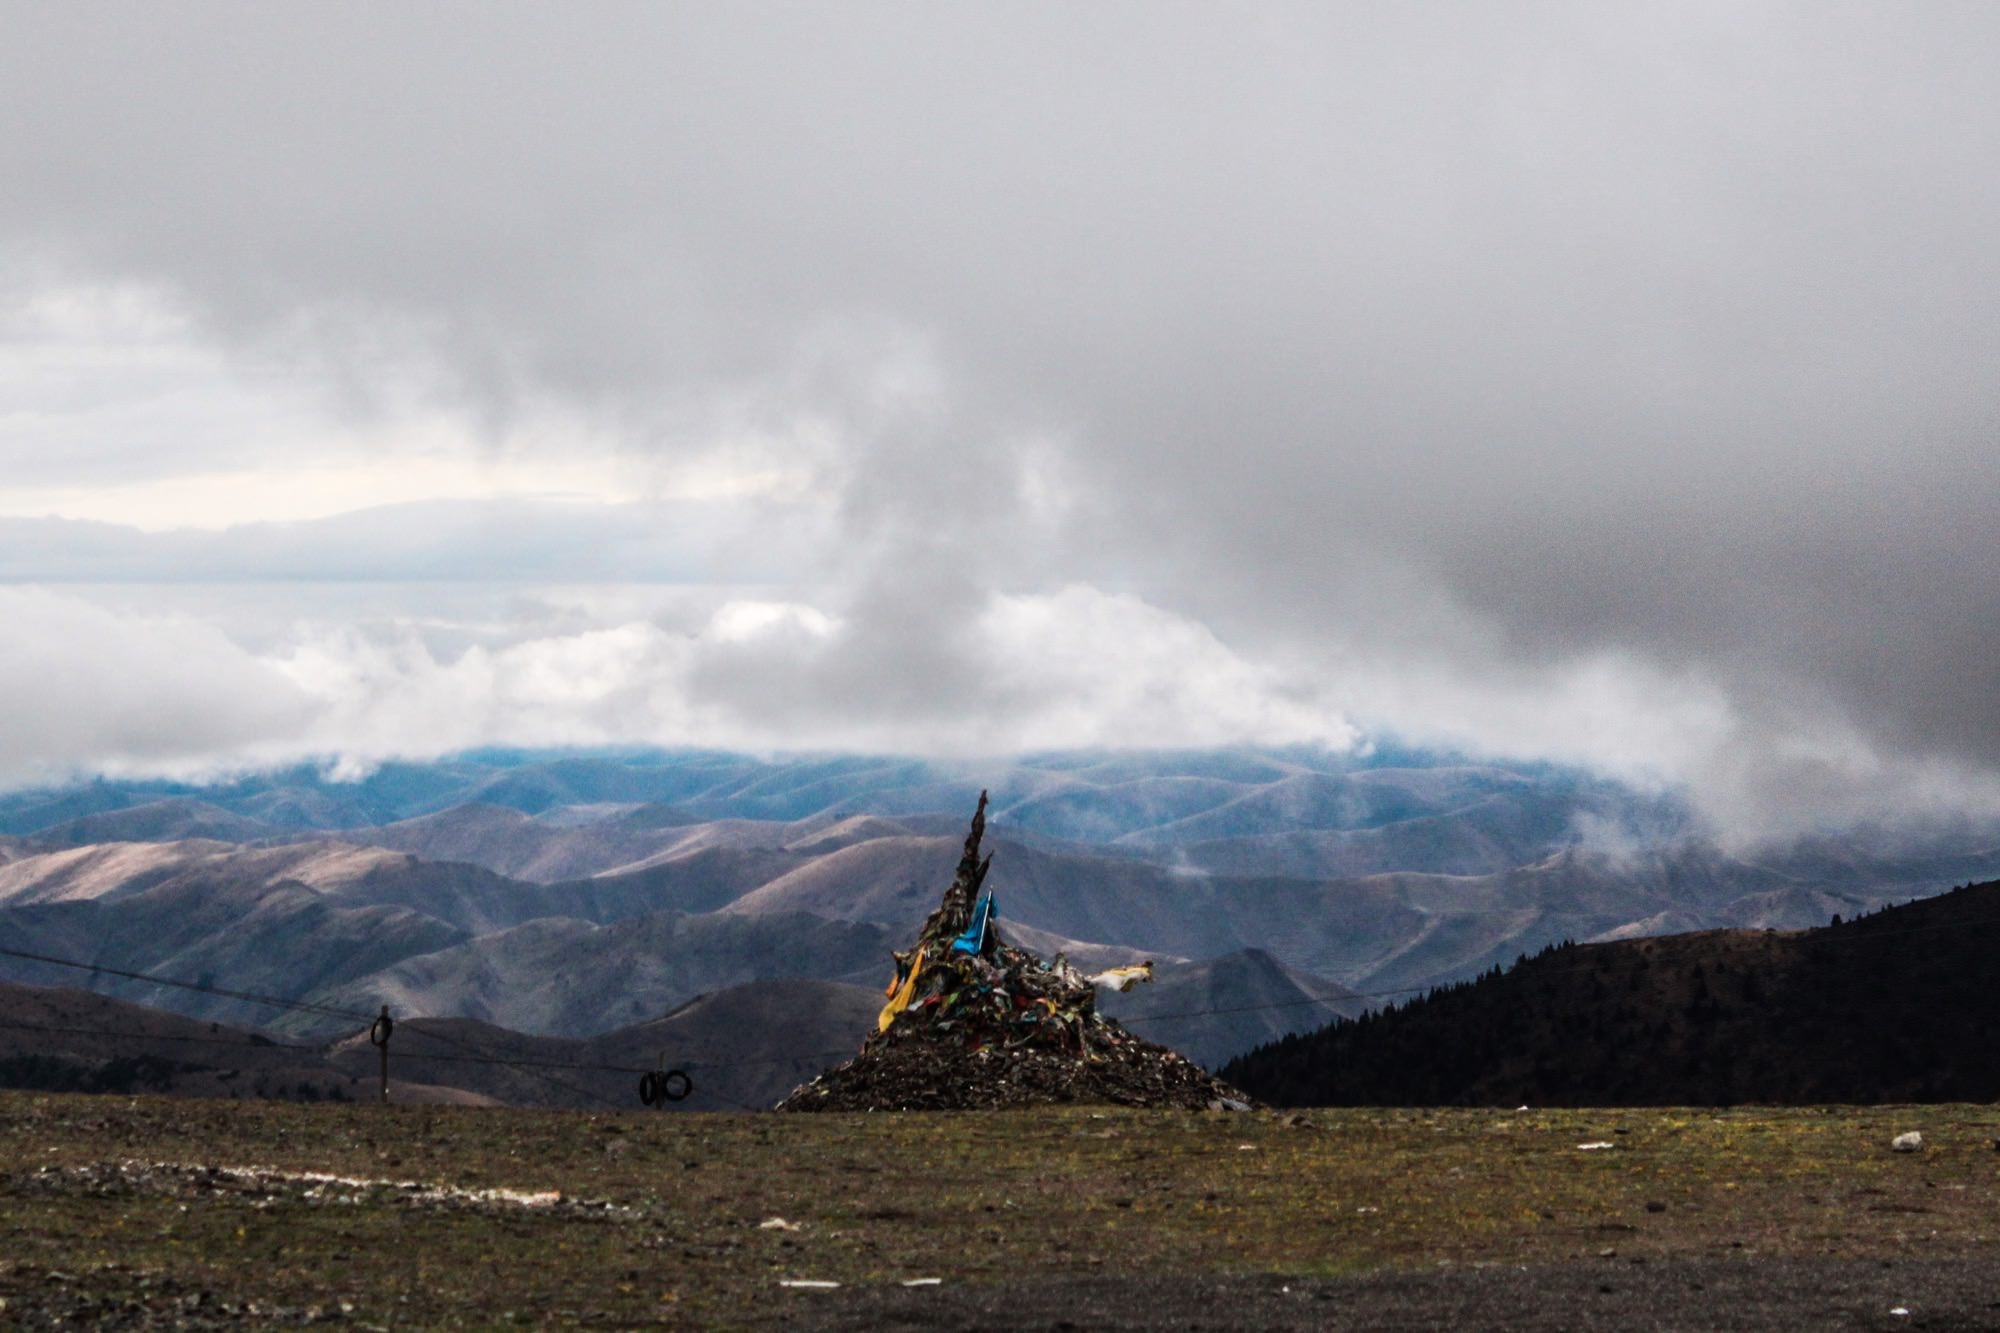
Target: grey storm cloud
{"points": [[1510, 335]]}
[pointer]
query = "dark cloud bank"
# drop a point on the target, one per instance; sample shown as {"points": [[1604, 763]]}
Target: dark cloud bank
{"points": [[1482, 343]]}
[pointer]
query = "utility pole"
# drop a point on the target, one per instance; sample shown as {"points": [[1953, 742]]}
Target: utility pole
{"points": [[378, 1034]]}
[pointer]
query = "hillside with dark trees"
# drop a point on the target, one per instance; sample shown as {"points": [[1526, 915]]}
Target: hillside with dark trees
{"points": [[1902, 1005]]}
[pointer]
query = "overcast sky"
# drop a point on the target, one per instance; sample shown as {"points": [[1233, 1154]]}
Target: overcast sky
{"points": [[1606, 383]]}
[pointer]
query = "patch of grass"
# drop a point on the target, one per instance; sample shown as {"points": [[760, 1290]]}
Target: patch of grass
{"points": [[880, 1199]]}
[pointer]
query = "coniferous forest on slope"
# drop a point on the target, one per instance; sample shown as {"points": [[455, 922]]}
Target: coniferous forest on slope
{"points": [[1898, 1006]]}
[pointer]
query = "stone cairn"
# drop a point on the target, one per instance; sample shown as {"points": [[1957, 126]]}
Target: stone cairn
{"points": [[973, 1023]]}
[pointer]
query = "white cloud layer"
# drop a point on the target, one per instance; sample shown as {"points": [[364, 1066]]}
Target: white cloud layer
{"points": [[97, 689], [124, 693]]}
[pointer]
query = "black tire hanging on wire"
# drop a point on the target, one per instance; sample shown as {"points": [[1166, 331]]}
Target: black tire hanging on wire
{"points": [[675, 1085], [649, 1088]]}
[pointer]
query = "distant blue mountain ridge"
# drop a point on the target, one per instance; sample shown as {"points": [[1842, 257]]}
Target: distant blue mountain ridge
{"points": [[1099, 797]]}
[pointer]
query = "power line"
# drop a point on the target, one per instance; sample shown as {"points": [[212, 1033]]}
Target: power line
{"points": [[298, 1006], [534, 1069], [764, 1060], [476, 1057], [308, 1006], [253, 1044], [206, 988]]}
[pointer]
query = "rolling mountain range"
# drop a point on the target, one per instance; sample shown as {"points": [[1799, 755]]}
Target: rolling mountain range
{"points": [[561, 898]]}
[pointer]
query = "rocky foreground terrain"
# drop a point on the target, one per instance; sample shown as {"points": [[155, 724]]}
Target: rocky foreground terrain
{"points": [[155, 1213]]}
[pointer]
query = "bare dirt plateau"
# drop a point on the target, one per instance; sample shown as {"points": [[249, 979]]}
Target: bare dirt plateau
{"points": [[166, 1213]]}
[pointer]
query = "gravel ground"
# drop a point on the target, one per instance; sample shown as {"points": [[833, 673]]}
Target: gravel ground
{"points": [[156, 1213], [1709, 1294], [1764, 1293]]}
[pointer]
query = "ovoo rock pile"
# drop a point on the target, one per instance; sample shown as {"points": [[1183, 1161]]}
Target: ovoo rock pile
{"points": [[973, 1023]]}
